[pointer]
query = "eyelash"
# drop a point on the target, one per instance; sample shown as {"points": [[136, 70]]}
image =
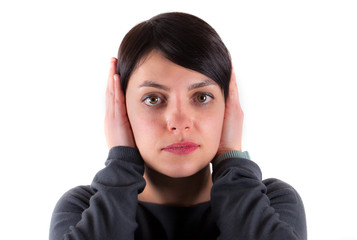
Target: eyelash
{"points": [[144, 99]]}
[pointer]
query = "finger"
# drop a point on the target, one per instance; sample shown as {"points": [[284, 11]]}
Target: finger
{"points": [[233, 88], [233, 103], [111, 73], [112, 69], [119, 105], [110, 94]]}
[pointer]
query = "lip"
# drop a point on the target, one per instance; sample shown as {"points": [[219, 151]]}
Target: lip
{"points": [[181, 147]]}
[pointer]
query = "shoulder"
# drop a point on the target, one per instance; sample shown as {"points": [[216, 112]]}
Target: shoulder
{"points": [[69, 209], [280, 191], [287, 203], [75, 200]]}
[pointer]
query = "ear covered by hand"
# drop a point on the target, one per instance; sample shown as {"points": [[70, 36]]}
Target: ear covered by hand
{"points": [[116, 123], [231, 138]]}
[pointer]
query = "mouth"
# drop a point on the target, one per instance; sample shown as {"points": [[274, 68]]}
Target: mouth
{"points": [[181, 148]]}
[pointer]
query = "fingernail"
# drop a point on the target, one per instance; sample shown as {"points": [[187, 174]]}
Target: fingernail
{"points": [[115, 78]]}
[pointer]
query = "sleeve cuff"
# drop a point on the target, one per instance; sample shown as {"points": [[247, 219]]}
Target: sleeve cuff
{"points": [[124, 153], [230, 154]]}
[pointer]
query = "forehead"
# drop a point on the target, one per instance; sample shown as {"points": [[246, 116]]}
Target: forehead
{"points": [[155, 68]]}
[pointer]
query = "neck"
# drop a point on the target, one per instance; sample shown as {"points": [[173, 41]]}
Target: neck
{"points": [[186, 191]]}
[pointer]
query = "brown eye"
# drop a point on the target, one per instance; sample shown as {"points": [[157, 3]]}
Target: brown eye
{"points": [[152, 100], [202, 98]]}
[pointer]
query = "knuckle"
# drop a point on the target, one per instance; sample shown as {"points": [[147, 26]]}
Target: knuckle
{"points": [[110, 93], [242, 114], [117, 99]]}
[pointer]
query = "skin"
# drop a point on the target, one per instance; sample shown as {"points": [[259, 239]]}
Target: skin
{"points": [[174, 114]]}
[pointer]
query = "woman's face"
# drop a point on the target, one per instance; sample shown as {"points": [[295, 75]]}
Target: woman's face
{"points": [[176, 115]]}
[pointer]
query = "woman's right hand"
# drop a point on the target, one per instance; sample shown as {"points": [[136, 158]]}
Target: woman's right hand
{"points": [[116, 123]]}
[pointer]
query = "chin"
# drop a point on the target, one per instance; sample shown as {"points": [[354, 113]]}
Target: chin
{"points": [[178, 166], [181, 170], [180, 174]]}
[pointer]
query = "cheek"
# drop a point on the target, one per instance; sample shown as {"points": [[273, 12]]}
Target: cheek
{"points": [[143, 125], [212, 126]]}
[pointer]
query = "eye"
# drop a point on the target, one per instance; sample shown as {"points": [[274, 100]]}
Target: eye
{"points": [[204, 98], [152, 100]]}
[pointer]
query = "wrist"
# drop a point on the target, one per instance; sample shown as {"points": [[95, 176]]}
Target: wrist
{"points": [[230, 154]]}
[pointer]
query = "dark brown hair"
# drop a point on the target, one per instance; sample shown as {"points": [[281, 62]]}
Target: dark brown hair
{"points": [[181, 38]]}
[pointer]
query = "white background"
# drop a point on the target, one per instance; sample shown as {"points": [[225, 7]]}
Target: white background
{"points": [[296, 65]]}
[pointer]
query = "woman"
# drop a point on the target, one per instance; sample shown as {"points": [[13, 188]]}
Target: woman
{"points": [[172, 108]]}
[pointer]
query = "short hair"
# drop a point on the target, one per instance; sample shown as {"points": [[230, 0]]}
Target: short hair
{"points": [[182, 38]]}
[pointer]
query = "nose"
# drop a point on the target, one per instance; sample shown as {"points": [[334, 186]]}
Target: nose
{"points": [[178, 119]]}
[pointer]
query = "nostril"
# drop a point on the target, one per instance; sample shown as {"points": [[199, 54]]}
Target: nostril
{"points": [[179, 125]]}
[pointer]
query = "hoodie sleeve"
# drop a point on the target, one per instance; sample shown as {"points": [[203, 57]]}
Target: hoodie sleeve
{"points": [[248, 208], [107, 208]]}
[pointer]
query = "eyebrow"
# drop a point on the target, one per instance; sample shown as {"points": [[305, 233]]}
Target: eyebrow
{"points": [[153, 84], [201, 84]]}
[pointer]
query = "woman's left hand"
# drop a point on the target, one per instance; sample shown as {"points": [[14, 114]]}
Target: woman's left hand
{"points": [[231, 138]]}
